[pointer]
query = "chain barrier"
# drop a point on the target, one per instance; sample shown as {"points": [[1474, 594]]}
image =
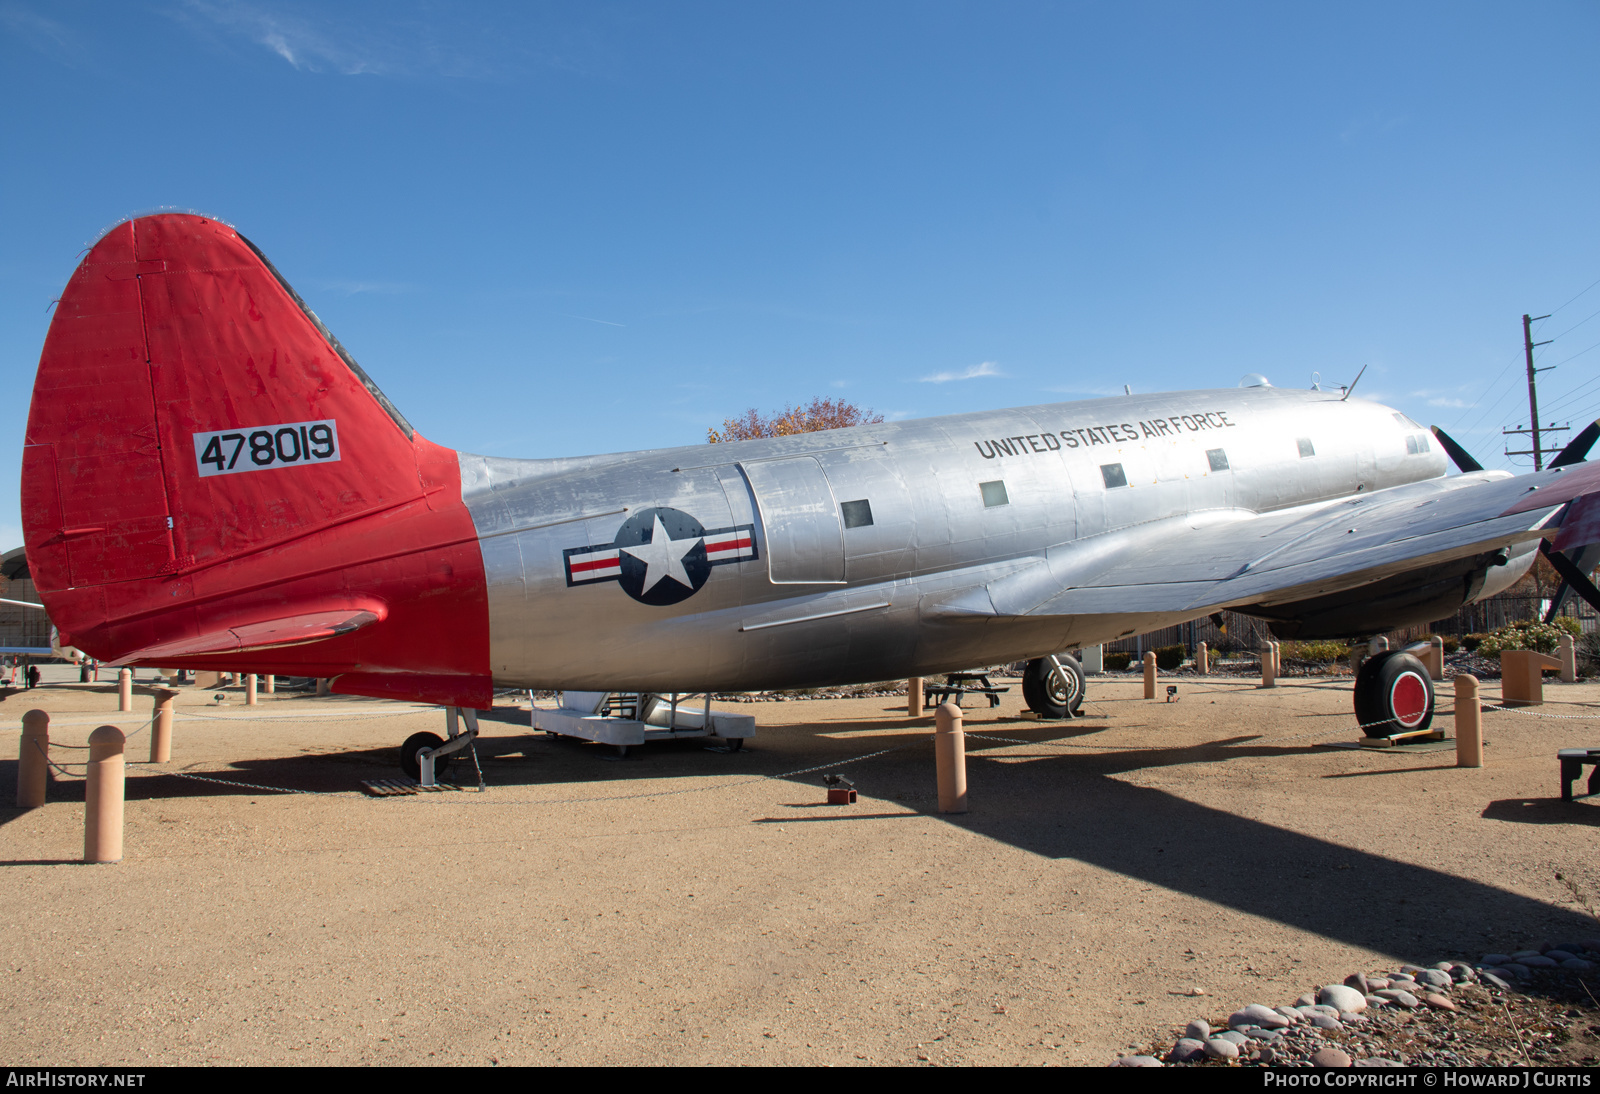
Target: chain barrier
{"points": [[256, 786], [1537, 714], [685, 790]]}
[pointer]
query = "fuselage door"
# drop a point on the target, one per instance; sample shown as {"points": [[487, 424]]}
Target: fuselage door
{"points": [[804, 533]]}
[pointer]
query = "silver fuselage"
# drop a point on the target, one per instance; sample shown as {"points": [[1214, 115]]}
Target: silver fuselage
{"points": [[823, 603]]}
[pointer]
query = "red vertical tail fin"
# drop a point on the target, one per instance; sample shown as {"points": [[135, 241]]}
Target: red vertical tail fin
{"points": [[203, 456]]}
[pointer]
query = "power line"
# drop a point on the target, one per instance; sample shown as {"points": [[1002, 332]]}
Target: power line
{"points": [[1591, 285]]}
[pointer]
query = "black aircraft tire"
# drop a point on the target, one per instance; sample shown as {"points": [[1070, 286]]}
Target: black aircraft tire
{"points": [[415, 744], [1393, 694], [1050, 696]]}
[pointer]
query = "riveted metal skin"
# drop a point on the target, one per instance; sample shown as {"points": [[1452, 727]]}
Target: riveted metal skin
{"points": [[211, 482]]}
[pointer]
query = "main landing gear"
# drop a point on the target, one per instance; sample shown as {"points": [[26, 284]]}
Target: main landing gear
{"points": [[1394, 695], [1052, 687], [426, 756]]}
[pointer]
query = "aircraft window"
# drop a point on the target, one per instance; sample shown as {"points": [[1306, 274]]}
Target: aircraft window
{"points": [[1407, 422], [1411, 444], [1218, 458], [994, 493], [857, 514], [1422, 442], [1112, 473], [1305, 447]]}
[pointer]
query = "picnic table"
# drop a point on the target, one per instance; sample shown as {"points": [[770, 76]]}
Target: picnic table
{"points": [[957, 684]]}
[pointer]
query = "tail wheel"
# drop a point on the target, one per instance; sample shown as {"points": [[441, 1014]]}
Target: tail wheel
{"points": [[1053, 692], [1394, 694], [415, 744]]}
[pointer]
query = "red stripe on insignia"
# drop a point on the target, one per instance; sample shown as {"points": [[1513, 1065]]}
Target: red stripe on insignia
{"points": [[594, 562]]}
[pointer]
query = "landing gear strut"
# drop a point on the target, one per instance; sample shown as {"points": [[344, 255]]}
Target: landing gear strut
{"points": [[426, 756]]}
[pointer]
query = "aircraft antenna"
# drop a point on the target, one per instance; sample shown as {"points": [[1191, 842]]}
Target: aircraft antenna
{"points": [[1353, 384]]}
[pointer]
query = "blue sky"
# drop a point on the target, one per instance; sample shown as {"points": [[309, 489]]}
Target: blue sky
{"points": [[552, 229]]}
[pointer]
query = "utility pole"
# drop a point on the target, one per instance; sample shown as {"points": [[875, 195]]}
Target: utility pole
{"points": [[1528, 344]]}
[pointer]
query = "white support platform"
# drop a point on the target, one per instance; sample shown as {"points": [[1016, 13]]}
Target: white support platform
{"points": [[584, 714]]}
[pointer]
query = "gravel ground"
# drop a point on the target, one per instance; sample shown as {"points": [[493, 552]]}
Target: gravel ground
{"points": [[692, 907]]}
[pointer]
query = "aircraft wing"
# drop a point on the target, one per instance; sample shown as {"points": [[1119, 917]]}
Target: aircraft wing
{"points": [[1209, 561]]}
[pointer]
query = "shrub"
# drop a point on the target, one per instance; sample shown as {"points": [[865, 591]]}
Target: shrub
{"points": [[1321, 652], [1451, 644], [1569, 624], [1170, 657], [1470, 642], [1117, 662], [1540, 637]]}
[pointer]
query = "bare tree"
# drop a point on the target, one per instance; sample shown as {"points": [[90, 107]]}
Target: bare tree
{"points": [[818, 414]]}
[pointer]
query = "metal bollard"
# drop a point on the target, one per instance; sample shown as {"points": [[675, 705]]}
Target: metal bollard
{"points": [[1436, 657], [1150, 675], [33, 769], [914, 697], [102, 814], [322, 685], [1277, 660], [250, 690], [161, 728], [1202, 659], [272, 684], [950, 757], [125, 689], [1269, 667], [1469, 723], [1378, 645], [1568, 656]]}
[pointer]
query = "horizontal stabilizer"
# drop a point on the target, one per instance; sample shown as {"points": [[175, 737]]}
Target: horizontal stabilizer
{"points": [[292, 631]]}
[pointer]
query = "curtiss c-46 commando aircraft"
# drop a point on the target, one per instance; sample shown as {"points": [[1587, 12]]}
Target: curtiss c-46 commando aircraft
{"points": [[211, 482]]}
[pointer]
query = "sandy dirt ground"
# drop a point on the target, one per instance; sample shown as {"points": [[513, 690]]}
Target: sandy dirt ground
{"points": [[683, 906]]}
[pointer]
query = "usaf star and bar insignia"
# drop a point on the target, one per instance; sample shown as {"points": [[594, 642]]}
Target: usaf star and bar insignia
{"points": [[660, 556]]}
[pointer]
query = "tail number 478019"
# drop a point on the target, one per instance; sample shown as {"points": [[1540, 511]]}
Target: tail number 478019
{"points": [[230, 451]]}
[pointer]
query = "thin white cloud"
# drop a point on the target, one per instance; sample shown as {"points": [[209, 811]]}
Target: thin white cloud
{"points": [[592, 319], [411, 38], [1446, 401], [308, 45], [44, 35], [988, 368]]}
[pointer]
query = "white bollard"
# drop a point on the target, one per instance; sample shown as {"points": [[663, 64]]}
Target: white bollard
{"points": [[272, 684], [1469, 723], [33, 768], [250, 690], [161, 728], [102, 815], [950, 757], [124, 690], [1569, 660], [1202, 659], [914, 697]]}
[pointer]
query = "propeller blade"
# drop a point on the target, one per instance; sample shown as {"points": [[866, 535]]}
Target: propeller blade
{"points": [[1457, 454], [1555, 603], [1585, 560], [1570, 575], [1577, 449]]}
